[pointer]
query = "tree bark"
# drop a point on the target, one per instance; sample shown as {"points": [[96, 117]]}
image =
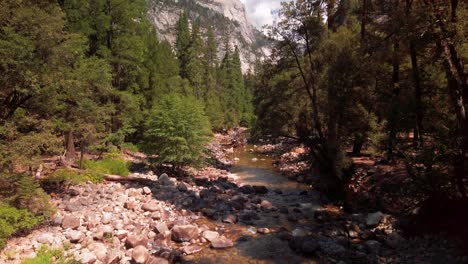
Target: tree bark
{"points": [[418, 138], [83, 149], [70, 154], [393, 119], [357, 144], [364, 20]]}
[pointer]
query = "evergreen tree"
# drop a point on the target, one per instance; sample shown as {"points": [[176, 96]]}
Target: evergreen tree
{"points": [[177, 130], [212, 92], [195, 62], [183, 40]]}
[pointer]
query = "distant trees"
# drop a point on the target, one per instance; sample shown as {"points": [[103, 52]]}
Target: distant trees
{"points": [[220, 86]]}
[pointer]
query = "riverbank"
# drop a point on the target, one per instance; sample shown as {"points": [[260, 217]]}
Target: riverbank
{"points": [[377, 192], [237, 210]]}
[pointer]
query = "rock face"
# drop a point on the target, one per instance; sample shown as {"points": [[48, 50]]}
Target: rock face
{"points": [[222, 15]]}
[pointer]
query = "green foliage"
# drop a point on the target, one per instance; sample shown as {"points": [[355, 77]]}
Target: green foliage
{"points": [[47, 255], [30, 196], [183, 44], [73, 177], [108, 165], [130, 147], [13, 220], [177, 130]]}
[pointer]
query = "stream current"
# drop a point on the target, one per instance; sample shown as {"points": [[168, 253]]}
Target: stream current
{"points": [[251, 247]]}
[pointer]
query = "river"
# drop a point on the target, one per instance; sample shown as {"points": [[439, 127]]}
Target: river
{"points": [[251, 247]]}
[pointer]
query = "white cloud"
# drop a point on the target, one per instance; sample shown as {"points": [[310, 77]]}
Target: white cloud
{"points": [[261, 12]]}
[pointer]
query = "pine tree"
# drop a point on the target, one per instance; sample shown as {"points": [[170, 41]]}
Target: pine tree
{"points": [[183, 44], [195, 62], [212, 92], [237, 86], [177, 130]]}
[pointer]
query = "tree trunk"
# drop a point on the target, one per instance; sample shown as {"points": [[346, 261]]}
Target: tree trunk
{"points": [[364, 20], [418, 138], [393, 119], [70, 154], [331, 15], [83, 149], [358, 143]]}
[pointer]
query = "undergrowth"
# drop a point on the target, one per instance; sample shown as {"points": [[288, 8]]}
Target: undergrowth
{"points": [[13, 221], [46, 255]]}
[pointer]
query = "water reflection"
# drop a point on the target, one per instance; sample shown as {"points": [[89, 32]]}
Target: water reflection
{"points": [[257, 169]]}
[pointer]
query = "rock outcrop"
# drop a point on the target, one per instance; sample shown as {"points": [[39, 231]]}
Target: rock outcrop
{"points": [[224, 15]]}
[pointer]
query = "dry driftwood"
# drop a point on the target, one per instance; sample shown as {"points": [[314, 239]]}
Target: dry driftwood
{"points": [[117, 178]]}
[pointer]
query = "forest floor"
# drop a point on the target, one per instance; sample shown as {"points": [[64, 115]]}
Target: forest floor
{"points": [[211, 215]]}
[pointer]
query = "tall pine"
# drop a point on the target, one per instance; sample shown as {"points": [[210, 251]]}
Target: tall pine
{"points": [[183, 44]]}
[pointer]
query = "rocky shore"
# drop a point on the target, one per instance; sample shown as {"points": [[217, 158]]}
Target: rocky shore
{"points": [[212, 216]]}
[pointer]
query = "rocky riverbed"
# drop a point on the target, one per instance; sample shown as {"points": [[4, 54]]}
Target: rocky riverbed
{"points": [[219, 215]]}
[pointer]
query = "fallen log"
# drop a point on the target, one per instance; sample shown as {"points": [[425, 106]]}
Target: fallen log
{"points": [[117, 178]]}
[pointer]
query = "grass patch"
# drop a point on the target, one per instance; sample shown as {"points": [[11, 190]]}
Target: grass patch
{"points": [[108, 165], [13, 221], [131, 147], [73, 177], [48, 256]]}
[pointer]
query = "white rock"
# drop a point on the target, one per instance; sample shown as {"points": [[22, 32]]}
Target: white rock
{"points": [[107, 230], [210, 235], [74, 236], [87, 258], [45, 238], [146, 190], [140, 254]]}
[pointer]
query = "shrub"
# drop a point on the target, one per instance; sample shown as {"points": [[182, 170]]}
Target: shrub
{"points": [[177, 130], [13, 220]]}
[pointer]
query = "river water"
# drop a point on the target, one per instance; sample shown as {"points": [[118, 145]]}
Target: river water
{"points": [[250, 247]]}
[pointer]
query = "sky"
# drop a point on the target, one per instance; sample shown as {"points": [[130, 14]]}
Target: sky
{"points": [[260, 12]]}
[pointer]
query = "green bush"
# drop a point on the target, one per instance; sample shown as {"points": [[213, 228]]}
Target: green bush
{"points": [[177, 131], [29, 195], [13, 220], [115, 166], [48, 256]]}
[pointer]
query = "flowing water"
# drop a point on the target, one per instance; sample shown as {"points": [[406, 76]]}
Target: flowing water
{"points": [[250, 247], [257, 169]]}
